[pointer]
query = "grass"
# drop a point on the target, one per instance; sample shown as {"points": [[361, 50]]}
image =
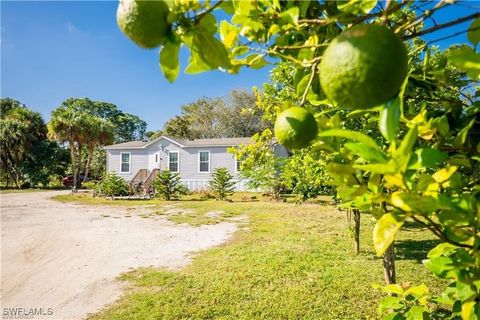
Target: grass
{"points": [[290, 262], [27, 190]]}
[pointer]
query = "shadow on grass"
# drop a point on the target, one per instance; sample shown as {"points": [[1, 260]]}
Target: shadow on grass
{"points": [[414, 249], [413, 226]]}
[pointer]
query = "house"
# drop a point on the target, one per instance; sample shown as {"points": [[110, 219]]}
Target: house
{"points": [[193, 160]]}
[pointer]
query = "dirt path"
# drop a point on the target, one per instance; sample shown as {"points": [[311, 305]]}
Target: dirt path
{"points": [[66, 257]]}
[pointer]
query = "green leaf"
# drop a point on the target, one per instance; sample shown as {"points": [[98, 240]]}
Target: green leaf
{"points": [[390, 118], [345, 192], [404, 152], [228, 34], [290, 15], [210, 50], [394, 303], [440, 266], [465, 291], [352, 135], [417, 313], [196, 64], [464, 58], [374, 182], [208, 23], [340, 168], [368, 153], [227, 6], [381, 168], [385, 230], [302, 85], [441, 124], [391, 288], [244, 7], [462, 135], [411, 202], [473, 34], [394, 316], [460, 159], [426, 157], [443, 249], [357, 6], [444, 174], [417, 291], [256, 61], [468, 310], [274, 29], [408, 142], [427, 183], [169, 61]]}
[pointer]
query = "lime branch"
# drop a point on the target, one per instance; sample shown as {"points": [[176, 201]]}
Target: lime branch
{"points": [[442, 26]]}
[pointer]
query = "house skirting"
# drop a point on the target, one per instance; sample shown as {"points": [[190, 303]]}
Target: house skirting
{"points": [[195, 185]]}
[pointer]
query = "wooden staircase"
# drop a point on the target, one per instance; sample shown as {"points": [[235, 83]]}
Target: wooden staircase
{"points": [[136, 184], [147, 183]]}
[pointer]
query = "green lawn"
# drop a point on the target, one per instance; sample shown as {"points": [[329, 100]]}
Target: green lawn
{"points": [[16, 190], [284, 262]]}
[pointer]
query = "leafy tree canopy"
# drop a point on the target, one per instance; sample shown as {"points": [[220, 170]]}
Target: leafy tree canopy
{"points": [[236, 115], [27, 158]]}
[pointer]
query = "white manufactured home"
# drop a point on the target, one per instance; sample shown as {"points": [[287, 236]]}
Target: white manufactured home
{"points": [[193, 160]]}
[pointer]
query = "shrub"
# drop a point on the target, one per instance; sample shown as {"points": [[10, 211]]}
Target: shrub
{"points": [[112, 185], [54, 182], [168, 186], [222, 184], [90, 185]]}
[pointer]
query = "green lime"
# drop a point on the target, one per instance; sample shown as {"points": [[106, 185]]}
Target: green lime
{"points": [[144, 22], [363, 67], [295, 128]]}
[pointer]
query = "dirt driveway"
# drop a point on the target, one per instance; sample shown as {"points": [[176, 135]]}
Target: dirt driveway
{"points": [[64, 258]]}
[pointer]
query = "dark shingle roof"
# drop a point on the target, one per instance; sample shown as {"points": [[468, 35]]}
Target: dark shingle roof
{"points": [[214, 142]]}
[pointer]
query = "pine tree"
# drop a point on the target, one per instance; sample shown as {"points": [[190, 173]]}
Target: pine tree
{"points": [[167, 185], [222, 184]]}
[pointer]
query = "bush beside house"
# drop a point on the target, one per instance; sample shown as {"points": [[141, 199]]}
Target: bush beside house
{"points": [[222, 184]]}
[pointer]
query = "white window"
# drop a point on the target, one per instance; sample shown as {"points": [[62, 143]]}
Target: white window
{"points": [[238, 164], [204, 161], [173, 161], [125, 162]]}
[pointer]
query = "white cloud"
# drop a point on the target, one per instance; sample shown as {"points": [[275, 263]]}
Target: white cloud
{"points": [[71, 27]]}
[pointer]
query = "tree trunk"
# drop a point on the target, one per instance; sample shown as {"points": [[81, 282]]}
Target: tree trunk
{"points": [[91, 150], [356, 230], [79, 165], [354, 227], [74, 166], [389, 264], [15, 174]]}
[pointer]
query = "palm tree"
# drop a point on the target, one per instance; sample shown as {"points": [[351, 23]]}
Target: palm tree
{"points": [[66, 126], [98, 133], [14, 147], [20, 130]]}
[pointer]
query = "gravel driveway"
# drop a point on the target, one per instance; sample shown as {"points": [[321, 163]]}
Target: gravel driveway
{"points": [[64, 258]]}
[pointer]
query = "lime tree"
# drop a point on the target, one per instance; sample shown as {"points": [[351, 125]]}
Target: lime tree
{"points": [[144, 22], [363, 67], [295, 128]]}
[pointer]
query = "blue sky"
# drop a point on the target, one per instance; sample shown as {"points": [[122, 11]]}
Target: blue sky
{"points": [[51, 51]]}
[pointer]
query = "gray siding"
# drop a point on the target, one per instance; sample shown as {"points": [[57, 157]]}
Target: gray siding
{"points": [[138, 160], [188, 162]]}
